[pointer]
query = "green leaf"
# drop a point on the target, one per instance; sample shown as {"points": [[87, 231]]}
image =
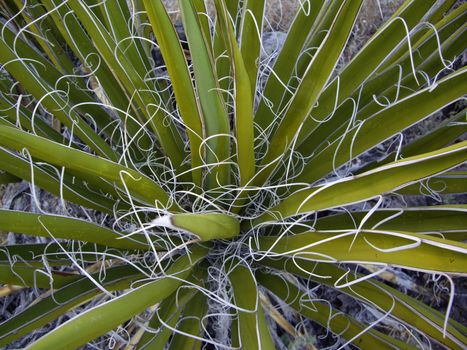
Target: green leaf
{"points": [[285, 63], [405, 249], [342, 325], [216, 122], [253, 330], [250, 39], [384, 125], [115, 14], [78, 40], [429, 219], [47, 41], [367, 185], [447, 183], [24, 71], [190, 324], [22, 274], [386, 87], [100, 319], [222, 63], [204, 20], [69, 84], [447, 131], [71, 295], [362, 66], [169, 312], [12, 111], [175, 61], [74, 192], [167, 315], [206, 226], [243, 95], [61, 227], [53, 252], [6, 178], [317, 75], [425, 41], [138, 185], [128, 76], [379, 296]]}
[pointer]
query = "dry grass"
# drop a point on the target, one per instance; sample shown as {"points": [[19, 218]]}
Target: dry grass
{"points": [[279, 14]]}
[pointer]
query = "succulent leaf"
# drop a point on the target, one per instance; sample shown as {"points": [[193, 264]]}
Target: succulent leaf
{"points": [[169, 181]]}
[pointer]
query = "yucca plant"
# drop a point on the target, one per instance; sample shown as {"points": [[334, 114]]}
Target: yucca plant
{"points": [[225, 198]]}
